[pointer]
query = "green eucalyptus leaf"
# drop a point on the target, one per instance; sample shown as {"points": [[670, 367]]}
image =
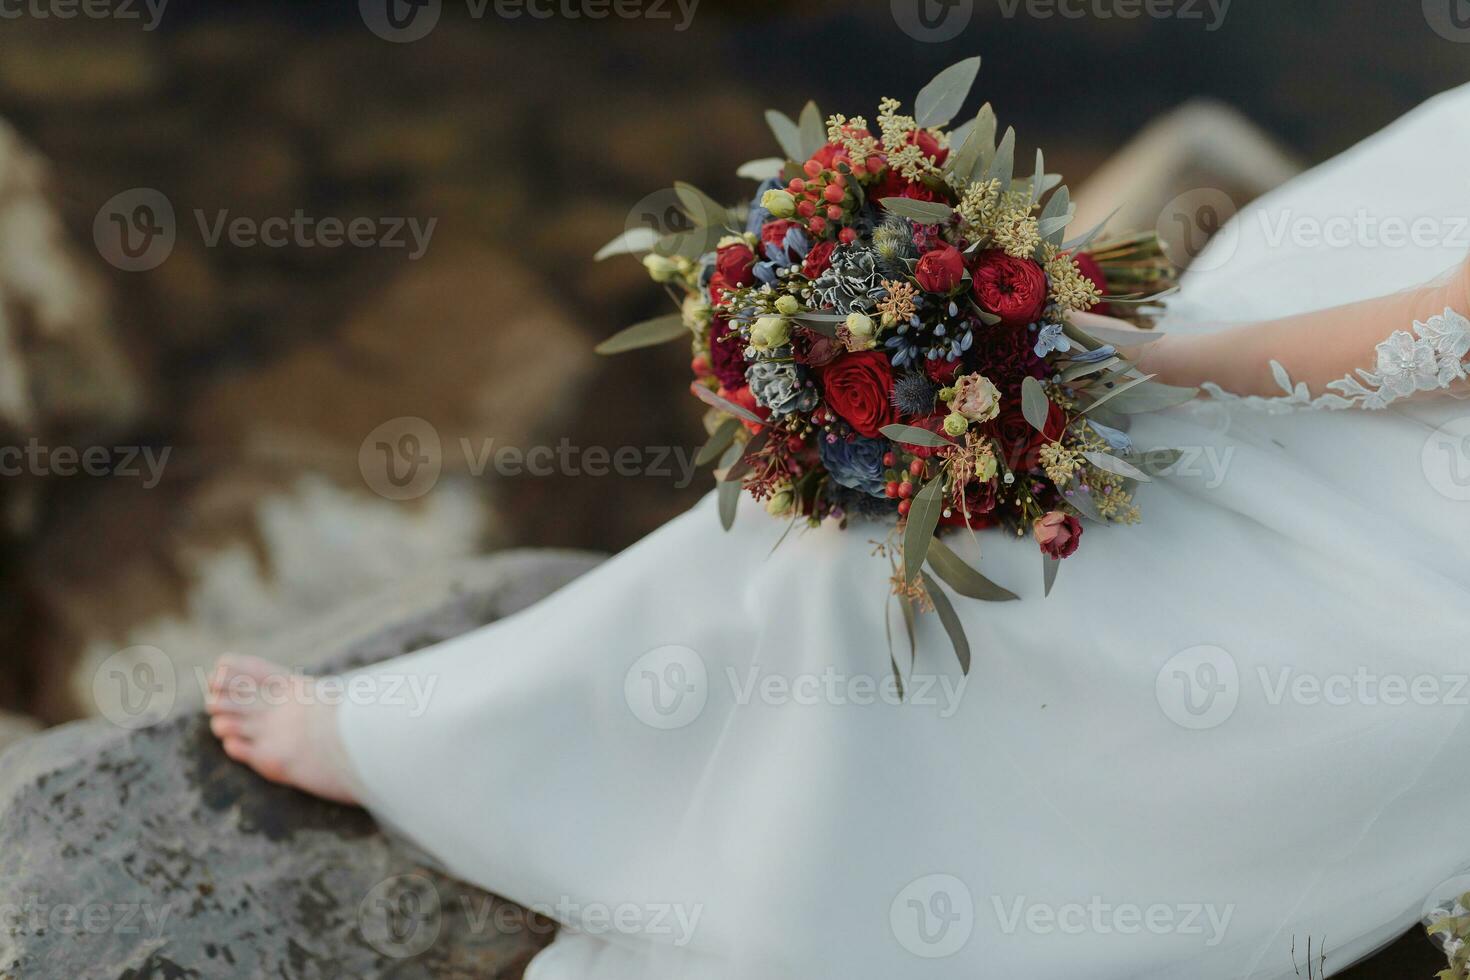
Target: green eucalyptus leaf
{"points": [[912, 435], [632, 241], [725, 405], [1035, 406], [1040, 176], [649, 333], [1049, 569], [743, 466], [813, 131], [788, 134], [1003, 166], [1077, 371], [719, 441], [1115, 391], [986, 127], [1086, 506], [941, 100], [924, 511], [962, 578], [944, 609], [1116, 466], [1082, 241], [702, 209], [924, 212], [1152, 397], [762, 169], [729, 499], [892, 654]]}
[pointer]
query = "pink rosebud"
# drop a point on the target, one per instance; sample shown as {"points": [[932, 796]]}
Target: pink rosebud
{"points": [[1058, 534]]}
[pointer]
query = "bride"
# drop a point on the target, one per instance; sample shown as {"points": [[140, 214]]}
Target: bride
{"points": [[1227, 732]]}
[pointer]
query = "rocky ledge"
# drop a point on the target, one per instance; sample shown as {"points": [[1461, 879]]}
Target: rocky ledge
{"points": [[136, 854]]}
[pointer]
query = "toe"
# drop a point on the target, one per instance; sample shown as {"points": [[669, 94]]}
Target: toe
{"points": [[227, 726], [237, 749]]}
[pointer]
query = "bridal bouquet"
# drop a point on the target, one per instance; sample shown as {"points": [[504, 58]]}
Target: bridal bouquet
{"points": [[884, 332]]}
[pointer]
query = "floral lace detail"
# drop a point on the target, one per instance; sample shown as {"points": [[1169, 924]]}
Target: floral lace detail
{"points": [[1430, 359]]}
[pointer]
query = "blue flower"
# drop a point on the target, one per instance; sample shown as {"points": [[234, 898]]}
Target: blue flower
{"points": [[1120, 441], [1095, 356], [1051, 338], [759, 215], [793, 249], [857, 464]]}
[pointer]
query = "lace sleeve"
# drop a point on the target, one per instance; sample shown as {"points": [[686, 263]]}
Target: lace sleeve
{"points": [[1365, 355], [1431, 358]]}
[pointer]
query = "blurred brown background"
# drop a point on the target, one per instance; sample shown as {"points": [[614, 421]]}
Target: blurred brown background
{"points": [[270, 374]]}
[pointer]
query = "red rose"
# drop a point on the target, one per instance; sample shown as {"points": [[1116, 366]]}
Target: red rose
{"points": [[718, 287], [941, 270], [1020, 444], [1058, 534], [894, 184], [1013, 289], [818, 260], [943, 371], [736, 263], [774, 232], [745, 398], [859, 388], [1089, 267]]}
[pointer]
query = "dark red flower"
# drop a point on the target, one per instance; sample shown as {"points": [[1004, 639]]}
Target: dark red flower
{"points": [[1013, 289], [736, 263], [980, 502], [1058, 534], [859, 388], [818, 260], [942, 370], [1007, 357], [726, 354], [934, 423], [1019, 443], [941, 270]]}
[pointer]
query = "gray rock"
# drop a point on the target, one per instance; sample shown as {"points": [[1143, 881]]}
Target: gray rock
{"points": [[146, 853]]}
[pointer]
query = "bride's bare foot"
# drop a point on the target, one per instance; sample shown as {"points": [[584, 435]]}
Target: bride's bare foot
{"points": [[273, 721]]}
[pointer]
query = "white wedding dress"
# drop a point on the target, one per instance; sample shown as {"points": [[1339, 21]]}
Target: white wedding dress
{"points": [[1232, 728]]}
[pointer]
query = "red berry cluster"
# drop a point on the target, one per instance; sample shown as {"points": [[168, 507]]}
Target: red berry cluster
{"points": [[903, 485], [824, 198]]}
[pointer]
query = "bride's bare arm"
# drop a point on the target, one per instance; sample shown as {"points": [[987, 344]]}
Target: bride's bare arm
{"points": [[1404, 340]]}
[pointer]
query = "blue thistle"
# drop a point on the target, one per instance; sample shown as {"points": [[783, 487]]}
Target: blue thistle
{"points": [[914, 394]]}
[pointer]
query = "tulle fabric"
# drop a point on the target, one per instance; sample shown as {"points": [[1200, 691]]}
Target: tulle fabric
{"points": [[1007, 824]]}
